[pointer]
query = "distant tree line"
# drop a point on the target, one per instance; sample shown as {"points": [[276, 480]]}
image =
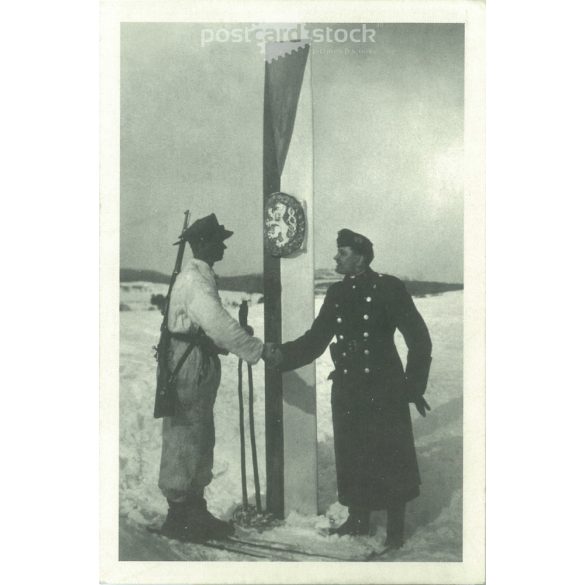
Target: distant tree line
{"points": [[132, 275], [254, 283]]}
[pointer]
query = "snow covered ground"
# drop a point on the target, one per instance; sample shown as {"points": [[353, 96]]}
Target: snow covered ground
{"points": [[434, 520]]}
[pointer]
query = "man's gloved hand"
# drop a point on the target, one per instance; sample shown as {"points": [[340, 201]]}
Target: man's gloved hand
{"points": [[272, 355], [249, 329]]}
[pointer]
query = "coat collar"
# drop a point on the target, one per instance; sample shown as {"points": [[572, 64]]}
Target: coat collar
{"points": [[365, 276], [202, 267]]}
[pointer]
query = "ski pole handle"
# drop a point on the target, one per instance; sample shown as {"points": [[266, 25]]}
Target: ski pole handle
{"points": [[243, 313]]}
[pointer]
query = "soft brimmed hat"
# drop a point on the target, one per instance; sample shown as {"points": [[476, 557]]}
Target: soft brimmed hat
{"points": [[205, 229], [357, 242]]}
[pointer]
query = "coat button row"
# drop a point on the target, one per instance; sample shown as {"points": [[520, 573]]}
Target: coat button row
{"points": [[340, 320]]}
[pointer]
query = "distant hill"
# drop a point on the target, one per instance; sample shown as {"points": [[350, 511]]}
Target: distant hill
{"points": [[422, 288], [249, 283], [253, 283], [417, 288], [132, 275]]}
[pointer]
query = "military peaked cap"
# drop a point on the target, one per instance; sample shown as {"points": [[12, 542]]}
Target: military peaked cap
{"points": [[205, 229], [357, 242]]}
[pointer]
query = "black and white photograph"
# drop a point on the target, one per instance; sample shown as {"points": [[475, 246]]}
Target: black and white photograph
{"points": [[292, 292], [292, 228]]}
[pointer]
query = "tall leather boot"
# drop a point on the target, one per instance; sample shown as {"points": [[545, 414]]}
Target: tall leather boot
{"points": [[357, 523], [395, 525]]}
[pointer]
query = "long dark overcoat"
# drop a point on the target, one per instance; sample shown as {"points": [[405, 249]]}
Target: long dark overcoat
{"points": [[374, 445]]}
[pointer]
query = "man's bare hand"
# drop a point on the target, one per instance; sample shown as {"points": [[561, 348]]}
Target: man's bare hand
{"points": [[422, 406], [272, 355]]}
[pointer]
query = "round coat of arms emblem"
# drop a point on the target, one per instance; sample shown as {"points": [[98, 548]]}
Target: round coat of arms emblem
{"points": [[284, 224]]}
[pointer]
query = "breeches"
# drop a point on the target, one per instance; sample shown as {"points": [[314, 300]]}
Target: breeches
{"points": [[188, 438]]}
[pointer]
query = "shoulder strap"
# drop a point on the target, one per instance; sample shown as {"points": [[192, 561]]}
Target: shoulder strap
{"points": [[181, 361]]}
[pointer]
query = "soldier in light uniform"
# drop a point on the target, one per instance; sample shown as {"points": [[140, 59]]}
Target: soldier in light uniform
{"points": [[196, 314], [374, 445]]}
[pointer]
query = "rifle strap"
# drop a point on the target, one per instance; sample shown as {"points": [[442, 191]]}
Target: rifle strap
{"points": [[182, 360]]}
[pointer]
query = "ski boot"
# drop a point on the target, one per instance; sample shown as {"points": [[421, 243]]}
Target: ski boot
{"points": [[217, 529], [192, 522], [182, 524]]}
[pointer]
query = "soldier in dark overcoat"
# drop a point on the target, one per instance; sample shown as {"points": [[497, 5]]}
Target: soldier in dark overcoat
{"points": [[374, 444]]}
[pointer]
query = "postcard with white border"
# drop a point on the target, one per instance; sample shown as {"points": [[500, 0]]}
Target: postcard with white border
{"points": [[292, 292]]}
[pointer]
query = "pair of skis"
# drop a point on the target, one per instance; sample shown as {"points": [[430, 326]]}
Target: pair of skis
{"points": [[243, 318], [280, 551], [247, 546]]}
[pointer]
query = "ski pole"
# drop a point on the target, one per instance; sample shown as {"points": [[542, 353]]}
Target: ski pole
{"points": [[253, 440], [244, 321], [242, 435]]}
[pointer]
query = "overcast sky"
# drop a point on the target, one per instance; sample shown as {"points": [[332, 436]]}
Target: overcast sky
{"points": [[388, 145]]}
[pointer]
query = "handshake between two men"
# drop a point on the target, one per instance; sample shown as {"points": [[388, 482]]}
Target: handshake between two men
{"points": [[272, 355], [271, 352]]}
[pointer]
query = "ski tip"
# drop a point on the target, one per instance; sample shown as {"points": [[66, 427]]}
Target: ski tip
{"points": [[378, 554]]}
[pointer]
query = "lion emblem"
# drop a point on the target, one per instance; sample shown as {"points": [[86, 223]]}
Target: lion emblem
{"points": [[284, 224]]}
